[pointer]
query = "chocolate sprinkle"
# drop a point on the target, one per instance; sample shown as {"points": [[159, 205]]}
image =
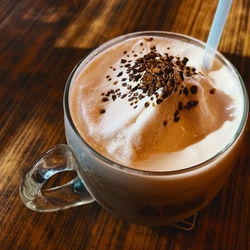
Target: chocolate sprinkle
{"points": [[193, 89], [158, 101], [180, 106], [185, 91], [191, 104], [212, 91], [176, 118], [149, 39], [105, 99], [181, 75], [185, 60]]}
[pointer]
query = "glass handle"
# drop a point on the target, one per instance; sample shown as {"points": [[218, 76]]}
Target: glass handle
{"points": [[58, 159]]}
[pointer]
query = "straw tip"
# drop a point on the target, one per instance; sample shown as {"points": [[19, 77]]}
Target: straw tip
{"points": [[207, 63]]}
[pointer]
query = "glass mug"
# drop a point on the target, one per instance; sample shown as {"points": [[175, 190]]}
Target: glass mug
{"points": [[142, 197]]}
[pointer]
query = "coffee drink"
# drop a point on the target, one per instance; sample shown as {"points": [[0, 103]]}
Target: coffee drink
{"points": [[151, 135], [155, 136]]}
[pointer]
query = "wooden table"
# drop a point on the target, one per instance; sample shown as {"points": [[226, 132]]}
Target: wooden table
{"points": [[40, 42]]}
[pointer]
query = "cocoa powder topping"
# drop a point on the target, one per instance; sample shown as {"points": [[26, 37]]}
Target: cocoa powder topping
{"points": [[156, 76]]}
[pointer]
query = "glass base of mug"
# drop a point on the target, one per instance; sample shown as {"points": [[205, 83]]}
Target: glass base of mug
{"points": [[187, 224]]}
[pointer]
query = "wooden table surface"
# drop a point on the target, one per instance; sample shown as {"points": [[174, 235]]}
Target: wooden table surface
{"points": [[40, 42]]}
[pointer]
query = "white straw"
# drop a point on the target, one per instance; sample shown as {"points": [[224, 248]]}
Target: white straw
{"points": [[215, 32]]}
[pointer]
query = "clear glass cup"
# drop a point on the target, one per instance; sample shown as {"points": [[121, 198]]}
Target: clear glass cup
{"points": [[144, 197]]}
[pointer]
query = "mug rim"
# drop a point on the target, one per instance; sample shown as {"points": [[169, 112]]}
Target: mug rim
{"points": [[114, 164]]}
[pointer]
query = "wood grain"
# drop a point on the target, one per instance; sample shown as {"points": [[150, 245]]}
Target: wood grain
{"points": [[40, 43]]}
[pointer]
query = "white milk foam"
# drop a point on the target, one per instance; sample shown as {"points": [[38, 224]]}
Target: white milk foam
{"points": [[142, 134]]}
